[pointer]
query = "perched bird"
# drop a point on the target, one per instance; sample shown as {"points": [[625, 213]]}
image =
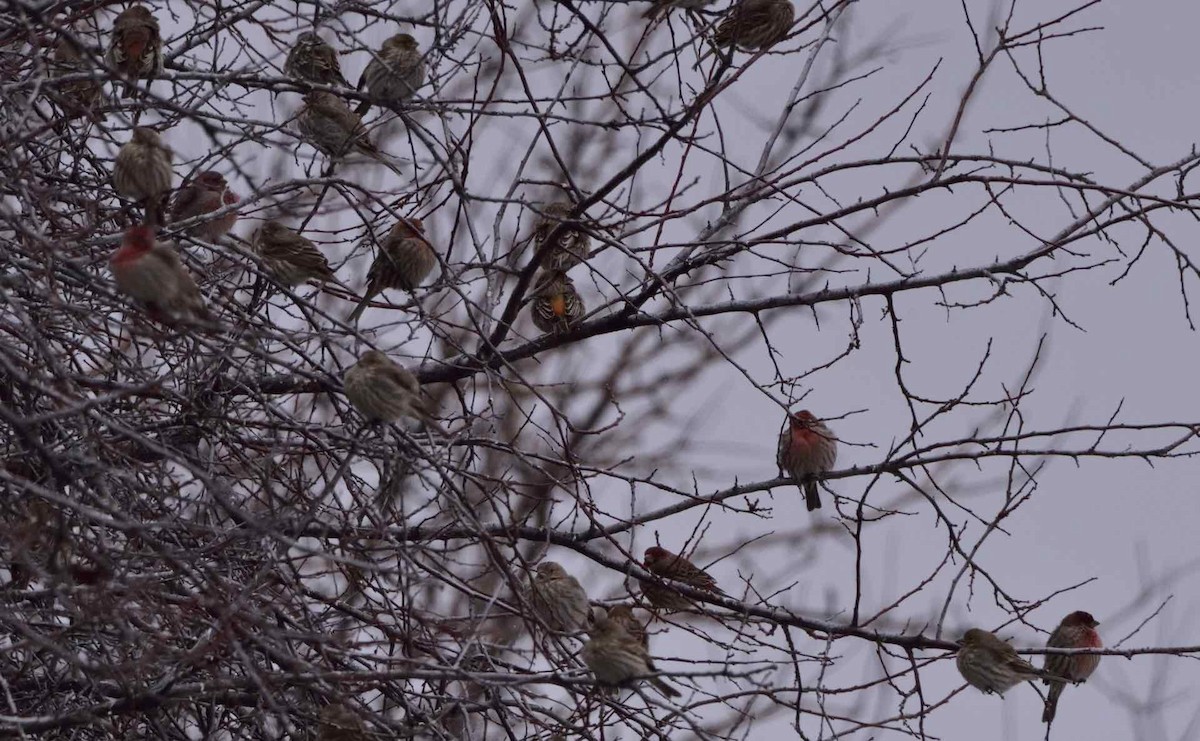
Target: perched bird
{"points": [[135, 48], [658, 7], [339, 723], [1077, 630], [661, 562], [78, 97], [991, 665], [311, 59], [558, 598], [572, 243], [753, 25], [142, 170], [329, 125], [395, 73], [623, 616], [807, 448], [150, 272], [206, 193], [556, 306], [618, 659], [405, 258], [384, 391], [291, 257]]}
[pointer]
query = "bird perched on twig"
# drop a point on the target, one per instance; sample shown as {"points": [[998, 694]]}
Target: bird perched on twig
{"points": [[151, 272], [558, 598], [572, 244], [618, 659], [1077, 630], [206, 193], [135, 47], [312, 59], [405, 258], [555, 305], [290, 256], [77, 97], [326, 122], [991, 665], [142, 171], [394, 75], [384, 391], [661, 562], [753, 25], [807, 448], [623, 616]]}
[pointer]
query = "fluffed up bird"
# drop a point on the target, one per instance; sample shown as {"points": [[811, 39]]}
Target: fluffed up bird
{"points": [[394, 75], [77, 97], [572, 243], [313, 60], [205, 193], [556, 306], [405, 258], [384, 391], [290, 256], [807, 448], [664, 563], [327, 123], [151, 272], [623, 616], [558, 598], [142, 171], [753, 25], [339, 723], [135, 47], [659, 7], [1077, 630], [991, 665], [618, 659]]}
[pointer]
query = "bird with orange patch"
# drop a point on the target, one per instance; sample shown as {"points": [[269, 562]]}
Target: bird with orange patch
{"points": [[807, 448], [556, 305]]}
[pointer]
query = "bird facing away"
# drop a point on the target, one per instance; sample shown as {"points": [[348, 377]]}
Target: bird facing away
{"points": [[558, 598], [135, 47], [1077, 630], [394, 75], [326, 122], [313, 60], [384, 391], [570, 247], [142, 170], [807, 448], [205, 193], [151, 273], [668, 565], [618, 659], [623, 616], [991, 665], [556, 305], [405, 258], [79, 97], [290, 256], [753, 25]]}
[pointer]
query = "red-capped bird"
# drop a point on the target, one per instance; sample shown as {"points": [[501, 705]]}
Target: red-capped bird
{"points": [[807, 448], [405, 259], [1077, 630], [150, 272], [206, 193]]}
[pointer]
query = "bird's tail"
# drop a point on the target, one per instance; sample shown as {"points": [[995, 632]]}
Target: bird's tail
{"points": [[664, 688], [811, 496], [1052, 702], [358, 310], [362, 109]]}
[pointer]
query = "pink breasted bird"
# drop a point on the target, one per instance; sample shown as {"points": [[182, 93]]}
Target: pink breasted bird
{"points": [[203, 194], [151, 273], [1077, 630], [807, 448]]}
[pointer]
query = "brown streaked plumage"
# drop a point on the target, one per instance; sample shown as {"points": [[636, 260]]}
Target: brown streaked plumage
{"points": [[290, 256], [314, 60], [753, 25], [394, 75], [135, 47], [617, 659], [556, 306], [384, 391], [572, 244], [203, 194], [405, 259]]}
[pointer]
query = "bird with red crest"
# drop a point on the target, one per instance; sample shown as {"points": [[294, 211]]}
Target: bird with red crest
{"points": [[807, 448]]}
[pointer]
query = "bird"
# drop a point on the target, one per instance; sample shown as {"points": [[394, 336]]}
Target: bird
{"points": [[991, 665], [142, 170], [405, 258], [135, 47], [556, 306], [623, 616], [77, 97], [327, 123], [572, 243], [394, 75], [1077, 630], [384, 391], [753, 25], [206, 193], [617, 659], [558, 598], [151, 273], [664, 563], [290, 256], [807, 448], [658, 7], [339, 723], [313, 60]]}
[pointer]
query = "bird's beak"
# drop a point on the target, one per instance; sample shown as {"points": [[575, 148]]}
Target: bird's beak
{"points": [[1095, 623]]}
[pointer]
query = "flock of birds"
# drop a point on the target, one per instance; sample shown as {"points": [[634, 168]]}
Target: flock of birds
{"points": [[151, 272]]}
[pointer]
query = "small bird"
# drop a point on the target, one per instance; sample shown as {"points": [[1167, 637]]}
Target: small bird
{"points": [[618, 659], [405, 258], [659, 7], [1077, 630], [394, 75], [753, 25], [556, 306], [78, 97], [150, 272], [142, 170], [991, 665], [807, 448], [339, 723], [661, 562], [558, 598], [572, 244], [327, 123], [206, 193], [135, 48], [384, 391], [290, 256], [623, 616], [311, 59]]}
